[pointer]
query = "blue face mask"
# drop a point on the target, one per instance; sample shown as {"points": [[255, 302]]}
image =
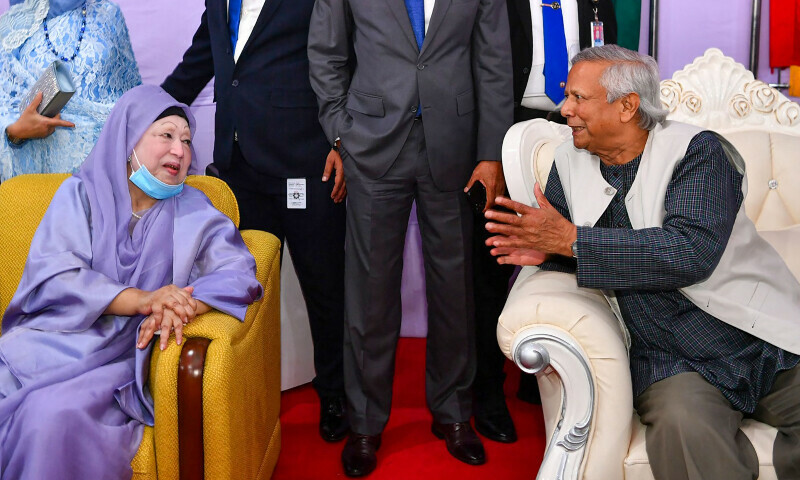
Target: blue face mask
{"points": [[152, 186]]}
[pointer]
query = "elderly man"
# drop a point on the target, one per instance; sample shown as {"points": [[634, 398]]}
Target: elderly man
{"points": [[651, 211]]}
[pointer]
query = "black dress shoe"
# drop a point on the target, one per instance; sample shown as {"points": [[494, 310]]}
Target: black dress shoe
{"points": [[462, 442], [496, 425], [333, 423], [358, 455]]}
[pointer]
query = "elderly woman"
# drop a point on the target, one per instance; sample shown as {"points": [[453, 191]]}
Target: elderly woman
{"points": [[91, 40], [124, 250]]}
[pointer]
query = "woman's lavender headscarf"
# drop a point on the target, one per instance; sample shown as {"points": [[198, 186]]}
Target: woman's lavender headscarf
{"points": [[105, 178]]}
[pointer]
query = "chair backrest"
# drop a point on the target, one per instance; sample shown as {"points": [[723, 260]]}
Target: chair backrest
{"points": [[718, 93], [25, 199], [528, 150]]}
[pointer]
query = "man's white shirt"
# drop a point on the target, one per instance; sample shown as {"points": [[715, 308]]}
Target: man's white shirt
{"points": [[534, 96], [251, 9], [428, 12]]}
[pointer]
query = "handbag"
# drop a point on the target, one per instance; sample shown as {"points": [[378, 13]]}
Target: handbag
{"points": [[56, 87]]}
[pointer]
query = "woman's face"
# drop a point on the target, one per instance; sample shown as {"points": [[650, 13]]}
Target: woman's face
{"points": [[165, 149]]}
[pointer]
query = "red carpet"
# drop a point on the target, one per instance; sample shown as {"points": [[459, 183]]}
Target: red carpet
{"points": [[409, 449]]}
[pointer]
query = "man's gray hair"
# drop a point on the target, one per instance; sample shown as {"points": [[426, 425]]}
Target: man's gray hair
{"points": [[629, 72]]}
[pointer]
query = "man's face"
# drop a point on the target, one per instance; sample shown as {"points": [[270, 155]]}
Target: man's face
{"points": [[593, 120]]}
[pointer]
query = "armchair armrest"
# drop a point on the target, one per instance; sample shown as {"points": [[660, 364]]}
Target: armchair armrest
{"points": [[570, 338], [240, 384], [528, 150]]}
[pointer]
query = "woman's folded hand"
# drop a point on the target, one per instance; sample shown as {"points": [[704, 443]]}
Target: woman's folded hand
{"points": [[171, 297]]}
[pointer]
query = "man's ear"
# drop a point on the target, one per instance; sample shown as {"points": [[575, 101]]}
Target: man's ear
{"points": [[630, 107]]}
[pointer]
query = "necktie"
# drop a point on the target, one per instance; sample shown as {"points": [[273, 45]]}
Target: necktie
{"points": [[416, 13], [556, 63], [234, 15]]}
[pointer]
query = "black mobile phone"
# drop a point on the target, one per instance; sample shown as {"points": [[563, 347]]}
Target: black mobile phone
{"points": [[477, 197]]}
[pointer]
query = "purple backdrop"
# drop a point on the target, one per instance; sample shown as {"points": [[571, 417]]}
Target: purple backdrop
{"points": [[161, 31], [688, 28]]}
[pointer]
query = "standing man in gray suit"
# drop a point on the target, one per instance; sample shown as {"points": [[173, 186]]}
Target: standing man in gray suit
{"points": [[417, 95]]}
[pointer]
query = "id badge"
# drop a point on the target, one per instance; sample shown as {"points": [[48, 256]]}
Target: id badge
{"points": [[597, 34], [296, 193]]}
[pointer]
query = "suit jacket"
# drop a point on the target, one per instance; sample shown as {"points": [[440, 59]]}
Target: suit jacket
{"points": [[265, 97], [370, 76], [519, 19]]}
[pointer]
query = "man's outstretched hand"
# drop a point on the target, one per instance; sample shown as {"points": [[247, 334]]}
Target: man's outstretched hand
{"points": [[528, 237]]}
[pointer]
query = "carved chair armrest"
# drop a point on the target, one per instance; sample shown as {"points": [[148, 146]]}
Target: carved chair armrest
{"points": [[569, 336]]}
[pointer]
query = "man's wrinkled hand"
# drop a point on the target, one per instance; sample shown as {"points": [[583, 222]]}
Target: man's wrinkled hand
{"points": [[542, 230], [518, 256]]}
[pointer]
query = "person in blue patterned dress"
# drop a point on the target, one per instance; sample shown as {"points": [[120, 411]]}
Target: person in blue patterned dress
{"points": [[651, 212], [90, 37]]}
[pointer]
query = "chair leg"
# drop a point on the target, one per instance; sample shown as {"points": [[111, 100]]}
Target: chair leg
{"points": [[190, 408]]}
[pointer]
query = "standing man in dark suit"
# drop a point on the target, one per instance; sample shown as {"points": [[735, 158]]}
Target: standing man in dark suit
{"points": [[271, 150], [420, 116], [529, 48], [533, 39]]}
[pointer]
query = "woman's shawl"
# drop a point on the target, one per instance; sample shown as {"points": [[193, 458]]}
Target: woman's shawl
{"points": [[82, 257]]}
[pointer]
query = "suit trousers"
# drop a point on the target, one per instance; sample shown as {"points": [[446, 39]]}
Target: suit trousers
{"points": [[490, 282], [315, 236], [377, 218], [491, 290], [693, 431]]}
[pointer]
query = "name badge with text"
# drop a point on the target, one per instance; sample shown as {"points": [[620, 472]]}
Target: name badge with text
{"points": [[295, 193]]}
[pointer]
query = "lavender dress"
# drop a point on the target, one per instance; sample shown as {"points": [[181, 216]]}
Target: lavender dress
{"points": [[73, 385]]}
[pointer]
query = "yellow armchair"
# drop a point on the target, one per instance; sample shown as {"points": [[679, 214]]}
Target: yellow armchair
{"points": [[217, 396]]}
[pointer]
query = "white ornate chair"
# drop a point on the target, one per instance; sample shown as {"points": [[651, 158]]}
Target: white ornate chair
{"points": [[568, 335]]}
